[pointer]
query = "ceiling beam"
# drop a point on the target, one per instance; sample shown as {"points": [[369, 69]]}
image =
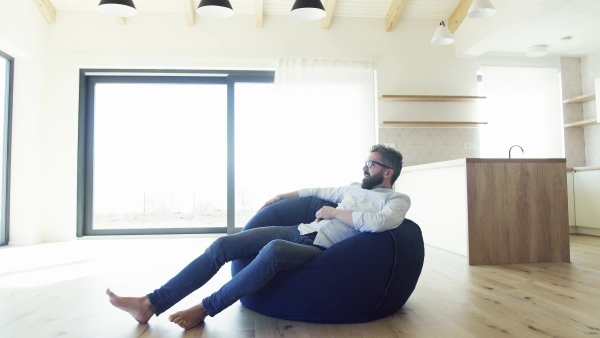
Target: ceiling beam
{"points": [[459, 15], [393, 14], [190, 13], [259, 8], [329, 8], [46, 9]]}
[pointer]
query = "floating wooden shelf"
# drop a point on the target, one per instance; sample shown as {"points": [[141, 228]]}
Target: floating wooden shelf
{"points": [[449, 124], [429, 98], [580, 124], [581, 98]]}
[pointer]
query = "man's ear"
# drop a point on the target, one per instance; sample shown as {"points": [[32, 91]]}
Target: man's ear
{"points": [[389, 173]]}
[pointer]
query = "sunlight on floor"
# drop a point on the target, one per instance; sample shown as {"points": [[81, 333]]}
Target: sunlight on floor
{"points": [[43, 264]]}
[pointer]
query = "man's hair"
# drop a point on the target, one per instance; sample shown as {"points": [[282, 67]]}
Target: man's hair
{"points": [[390, 157]]}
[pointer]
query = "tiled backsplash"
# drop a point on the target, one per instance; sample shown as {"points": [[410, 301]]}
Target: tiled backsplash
{"points": [[428, 145], [590, 71], [571, 87], [582, 145]]}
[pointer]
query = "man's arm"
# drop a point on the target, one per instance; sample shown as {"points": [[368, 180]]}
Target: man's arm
{"points": [[389, 217], [330, 194]]}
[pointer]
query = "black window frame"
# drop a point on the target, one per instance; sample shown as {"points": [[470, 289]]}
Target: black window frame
{"points": [[6, 151], [89, 77]]}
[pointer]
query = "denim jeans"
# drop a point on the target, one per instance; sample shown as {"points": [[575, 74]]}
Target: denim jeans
{"points": [[276, 248]]}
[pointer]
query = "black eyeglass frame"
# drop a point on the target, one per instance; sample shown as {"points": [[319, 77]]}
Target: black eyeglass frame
{"points": [[369, 164]]}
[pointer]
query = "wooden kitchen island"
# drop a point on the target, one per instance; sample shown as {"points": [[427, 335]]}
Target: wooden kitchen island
{"points": [[494, 211]]}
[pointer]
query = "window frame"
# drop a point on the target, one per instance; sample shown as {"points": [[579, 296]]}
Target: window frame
{"points": [[89, 77], [6, 151]]}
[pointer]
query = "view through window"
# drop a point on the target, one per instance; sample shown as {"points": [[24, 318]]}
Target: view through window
{"points": [[255, 135], [160, 153], [525, 112]]}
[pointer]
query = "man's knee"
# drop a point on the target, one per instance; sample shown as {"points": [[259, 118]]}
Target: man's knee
{"points": [[276, 247], [218, 244], [217, 250]]}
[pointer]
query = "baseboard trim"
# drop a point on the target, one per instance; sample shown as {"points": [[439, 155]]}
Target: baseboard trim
{"points": [[573, 229]]}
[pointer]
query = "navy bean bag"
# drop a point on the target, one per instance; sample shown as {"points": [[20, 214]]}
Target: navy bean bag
{"points": [[366, 277]]}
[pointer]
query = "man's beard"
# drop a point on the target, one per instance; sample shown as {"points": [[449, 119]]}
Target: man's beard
{"points": [[371, 182]]}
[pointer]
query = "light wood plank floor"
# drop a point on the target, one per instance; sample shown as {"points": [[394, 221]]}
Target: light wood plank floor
{"points": [[57, 290]]}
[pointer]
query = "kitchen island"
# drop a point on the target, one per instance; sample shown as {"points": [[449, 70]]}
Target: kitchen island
{"points": [[494, 211]]}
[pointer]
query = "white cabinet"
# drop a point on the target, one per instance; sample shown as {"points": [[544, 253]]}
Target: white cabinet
{"points": [[571, 197], [586, 197]]}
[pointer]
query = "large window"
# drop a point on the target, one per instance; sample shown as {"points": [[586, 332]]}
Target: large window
{"points": [[6, 79], [154, 151]]}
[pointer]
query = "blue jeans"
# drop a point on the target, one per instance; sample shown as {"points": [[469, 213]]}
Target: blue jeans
{"points": [[276, 248]]}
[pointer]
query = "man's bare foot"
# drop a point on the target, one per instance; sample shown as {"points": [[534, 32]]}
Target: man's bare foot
{"points": [[139, 307], [189, 318]]}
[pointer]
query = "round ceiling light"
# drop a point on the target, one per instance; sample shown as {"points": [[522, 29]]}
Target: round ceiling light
{"points": [[537, 51]]}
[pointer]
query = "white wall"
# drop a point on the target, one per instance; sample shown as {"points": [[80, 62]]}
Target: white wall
{"points": [[23, 35], [405, 60], [425, 145]]}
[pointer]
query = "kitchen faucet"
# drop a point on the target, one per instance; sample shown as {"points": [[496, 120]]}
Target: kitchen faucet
{"points": [[513, 147]]}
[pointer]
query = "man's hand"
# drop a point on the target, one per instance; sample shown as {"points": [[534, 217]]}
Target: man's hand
{"points": [[280, 197], [325, 213], [345, 216], [271, 201]]}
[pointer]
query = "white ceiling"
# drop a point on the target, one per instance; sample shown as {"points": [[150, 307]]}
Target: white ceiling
{"points": [[517, 24], [547, 23]]}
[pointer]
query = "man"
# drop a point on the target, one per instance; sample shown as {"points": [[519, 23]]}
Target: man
{"points": [[372, 206]]}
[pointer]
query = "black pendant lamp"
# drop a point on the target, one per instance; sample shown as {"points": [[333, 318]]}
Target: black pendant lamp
{"points": [[308, 10], [120, 8], [217, 9]]}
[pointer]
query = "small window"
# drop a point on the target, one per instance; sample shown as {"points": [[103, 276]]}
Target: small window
{"points": [[6, 80]]}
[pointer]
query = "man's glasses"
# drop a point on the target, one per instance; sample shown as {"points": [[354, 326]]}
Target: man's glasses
{"points": [[370, 163]]}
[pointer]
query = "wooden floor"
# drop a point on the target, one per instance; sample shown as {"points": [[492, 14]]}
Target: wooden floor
{"points": [[57, 290]]}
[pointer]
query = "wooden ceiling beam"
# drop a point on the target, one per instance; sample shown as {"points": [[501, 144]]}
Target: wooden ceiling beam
{"points": [[190, 13], [329, 8], [393, 14], [459, 15], [47, 10], [259, 9]]}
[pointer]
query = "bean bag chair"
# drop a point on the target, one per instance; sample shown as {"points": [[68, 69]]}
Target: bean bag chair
{"points": [[366, 277]]}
